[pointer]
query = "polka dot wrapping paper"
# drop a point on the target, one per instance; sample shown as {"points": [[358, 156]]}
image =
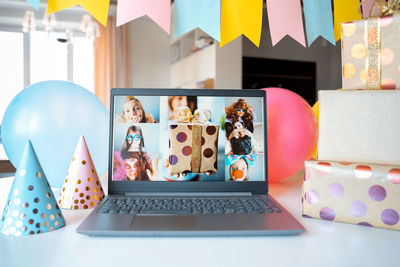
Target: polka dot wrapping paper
{"points": [[371, 53], [193, 147], [82, 188], [31, 207], [364, 194]]}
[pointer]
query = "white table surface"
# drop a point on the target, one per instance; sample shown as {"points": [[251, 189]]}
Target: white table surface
{"points": [[324, 243]]}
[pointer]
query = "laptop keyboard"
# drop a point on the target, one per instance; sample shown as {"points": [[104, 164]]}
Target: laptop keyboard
{"points": [[187, 205]]}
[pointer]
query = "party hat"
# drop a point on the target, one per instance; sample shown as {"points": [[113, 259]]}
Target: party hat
{"points": [[82, 188], [31, 207]]}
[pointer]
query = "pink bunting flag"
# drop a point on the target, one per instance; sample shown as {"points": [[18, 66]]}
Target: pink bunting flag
{"points": [[285, 18], [158, 10]]}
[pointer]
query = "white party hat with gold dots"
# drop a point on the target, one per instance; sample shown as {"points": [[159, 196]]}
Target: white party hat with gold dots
{"points": [[31, 207], [82, 188]]}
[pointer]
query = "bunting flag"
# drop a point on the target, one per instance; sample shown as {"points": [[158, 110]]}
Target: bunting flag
{"points": [[241, 17], [319, 21], [34, 3], [345, 10], [97, 8], [158, 10], [285, 18], [204, 14]]}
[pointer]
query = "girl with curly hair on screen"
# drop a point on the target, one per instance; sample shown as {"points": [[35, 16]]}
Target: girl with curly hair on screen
{"points": [[241, 112]]}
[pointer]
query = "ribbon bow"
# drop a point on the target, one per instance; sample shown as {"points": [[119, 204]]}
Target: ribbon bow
{"points": [[183, 114], [250, 159], [387, 7]]}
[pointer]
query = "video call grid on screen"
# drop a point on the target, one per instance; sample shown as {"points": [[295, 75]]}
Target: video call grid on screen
{"points": [[188, 138]]}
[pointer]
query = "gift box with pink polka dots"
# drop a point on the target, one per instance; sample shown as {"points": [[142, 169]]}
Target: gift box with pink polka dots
{"points": [[364, 194], [371, 53]]}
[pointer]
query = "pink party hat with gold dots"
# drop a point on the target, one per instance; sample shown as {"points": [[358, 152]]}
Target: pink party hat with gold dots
{"points": [[82, 188]]}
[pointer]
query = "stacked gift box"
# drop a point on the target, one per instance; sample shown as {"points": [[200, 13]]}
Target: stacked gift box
{"points": [[356, 177]]}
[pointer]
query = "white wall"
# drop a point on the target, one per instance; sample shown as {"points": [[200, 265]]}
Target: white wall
{"points": [[229, 65], [326, 56], [149, 48], [150, 52]]}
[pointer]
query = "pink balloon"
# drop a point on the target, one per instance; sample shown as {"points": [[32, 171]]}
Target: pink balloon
{"points": [[292, 133]]}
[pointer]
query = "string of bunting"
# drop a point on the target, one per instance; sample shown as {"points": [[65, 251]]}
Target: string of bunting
{"points": [[225, 20]]}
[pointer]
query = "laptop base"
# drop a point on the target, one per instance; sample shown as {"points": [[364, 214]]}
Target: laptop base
{"points": [[97, 224]]}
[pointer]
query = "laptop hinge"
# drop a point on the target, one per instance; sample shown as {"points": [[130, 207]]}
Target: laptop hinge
{"points": [[183, 194]]}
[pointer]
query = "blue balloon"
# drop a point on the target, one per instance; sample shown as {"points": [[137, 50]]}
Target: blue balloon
{"points": [[53, 115]]}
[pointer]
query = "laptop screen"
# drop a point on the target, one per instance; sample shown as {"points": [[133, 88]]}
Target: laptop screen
{"points": [[188, 138]]}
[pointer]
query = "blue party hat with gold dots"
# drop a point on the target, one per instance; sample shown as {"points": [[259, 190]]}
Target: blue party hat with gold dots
{"points": [[31, 207]]}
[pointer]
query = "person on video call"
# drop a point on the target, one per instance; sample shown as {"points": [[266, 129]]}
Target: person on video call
{"points": [[138, 164], [175, 102], [241, 112], [133, 112]]}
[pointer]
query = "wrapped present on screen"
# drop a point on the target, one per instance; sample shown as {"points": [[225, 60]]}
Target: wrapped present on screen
{"points": [[193, 142], [371, 53], [364, 194]]}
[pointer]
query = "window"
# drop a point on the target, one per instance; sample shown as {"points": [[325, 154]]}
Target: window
{"points": [[11, 68], [51, 57], [83, 71], [11, 71]]}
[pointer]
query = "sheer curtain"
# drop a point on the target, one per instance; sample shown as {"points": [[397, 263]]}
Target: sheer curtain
{"points": [[112, 60]]}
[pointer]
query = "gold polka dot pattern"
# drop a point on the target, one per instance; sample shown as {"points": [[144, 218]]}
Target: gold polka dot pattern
{"points": [[348, 29], [348, 70], [31, 202], [371, 47], [358, 51], [82, 182]]}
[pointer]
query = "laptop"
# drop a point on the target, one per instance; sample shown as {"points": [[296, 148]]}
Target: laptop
{"points": [[185, 162]]}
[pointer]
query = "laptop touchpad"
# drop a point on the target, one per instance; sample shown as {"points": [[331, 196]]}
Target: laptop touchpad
{"points": [[163, 222]]}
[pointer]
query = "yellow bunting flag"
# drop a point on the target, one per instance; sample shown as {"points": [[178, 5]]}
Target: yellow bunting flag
{"points": [[97, 8], [241, 17], [345, 10]]}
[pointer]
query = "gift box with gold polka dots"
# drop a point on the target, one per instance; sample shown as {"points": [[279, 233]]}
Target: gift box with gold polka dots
{"points": [[371, 53]]}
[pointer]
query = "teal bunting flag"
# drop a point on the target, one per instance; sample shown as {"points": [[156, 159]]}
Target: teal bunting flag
{"points": [[204, 14], [319, 21], [34, 3]]}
